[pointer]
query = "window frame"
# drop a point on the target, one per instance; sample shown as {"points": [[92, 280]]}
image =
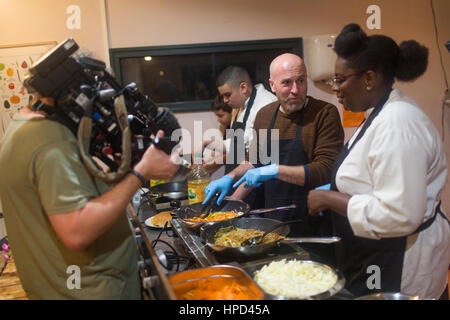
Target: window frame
{"points": [[116, 54]]}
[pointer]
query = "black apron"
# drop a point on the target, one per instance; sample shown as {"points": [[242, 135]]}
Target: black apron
{"points": [[255, 199], [231, 165], [280, 193], [355, 254]]}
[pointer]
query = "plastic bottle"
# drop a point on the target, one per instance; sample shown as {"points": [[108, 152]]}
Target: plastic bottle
{"points": [[155, 182], [136, 201], [197, 181]]}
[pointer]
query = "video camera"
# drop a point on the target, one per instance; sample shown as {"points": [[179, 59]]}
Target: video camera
{"points": [[113, 124]]}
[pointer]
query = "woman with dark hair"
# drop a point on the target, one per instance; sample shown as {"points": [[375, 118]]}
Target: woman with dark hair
{"points": [[388, 180]]}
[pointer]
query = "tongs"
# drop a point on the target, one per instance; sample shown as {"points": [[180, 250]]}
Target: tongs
{"points": [[207, 208]]}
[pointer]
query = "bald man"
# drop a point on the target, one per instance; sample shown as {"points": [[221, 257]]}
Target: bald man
{"points": [[310, 136]]}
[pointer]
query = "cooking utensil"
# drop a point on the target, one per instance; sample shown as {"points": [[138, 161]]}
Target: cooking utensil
{"points": [[209, 234], [207, 207], [258, 239], [265, 210], [338, 286], [243, 252], [175, 190], [185, 213]]}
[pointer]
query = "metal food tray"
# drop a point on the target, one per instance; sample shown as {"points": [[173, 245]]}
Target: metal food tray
{"points": [[338, 286], [188, 279]]}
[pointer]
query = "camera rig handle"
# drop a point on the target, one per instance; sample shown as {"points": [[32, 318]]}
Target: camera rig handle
{"points": [[84, 138]]}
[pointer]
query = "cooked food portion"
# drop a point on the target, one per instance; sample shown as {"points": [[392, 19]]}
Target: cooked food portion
{"points": [[295, 279], [160, 219], [216, 216], [217, 288], [233, 237]]}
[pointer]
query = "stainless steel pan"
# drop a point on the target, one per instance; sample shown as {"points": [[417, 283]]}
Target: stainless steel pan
{"points": [[172, 190], [228, 204], [263, 224], [194, 210]]}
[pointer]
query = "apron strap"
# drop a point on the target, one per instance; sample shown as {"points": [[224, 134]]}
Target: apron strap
{"points": [[239, 125], [371, 117], [346, 149], [298, 134], [430, 221], [247, 110]]}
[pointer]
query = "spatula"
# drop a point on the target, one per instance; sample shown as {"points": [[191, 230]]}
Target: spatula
{"points": [[253, 241]]}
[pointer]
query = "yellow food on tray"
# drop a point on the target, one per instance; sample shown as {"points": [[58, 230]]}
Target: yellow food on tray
{"points": [[216, 216], [233, 237], [160, 219]]}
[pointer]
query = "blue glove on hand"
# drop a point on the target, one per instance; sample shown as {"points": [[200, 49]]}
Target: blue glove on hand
{"points": [[324, 187], [221, 185], [256, 177]]}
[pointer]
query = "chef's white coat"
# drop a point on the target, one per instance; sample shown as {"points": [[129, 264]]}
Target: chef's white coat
{"points": [[395, 175]]}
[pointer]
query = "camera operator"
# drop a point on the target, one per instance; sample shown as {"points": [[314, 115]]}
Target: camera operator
{"points": [[69, 232]]}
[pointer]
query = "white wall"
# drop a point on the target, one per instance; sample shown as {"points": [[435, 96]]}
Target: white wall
{"points": [[132, 23]]}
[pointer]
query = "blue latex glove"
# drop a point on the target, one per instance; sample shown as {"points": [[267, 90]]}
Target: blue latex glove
{"points": [[324, 187], [221, 185], [256, 177]]}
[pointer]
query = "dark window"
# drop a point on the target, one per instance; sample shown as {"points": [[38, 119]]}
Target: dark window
{"points": [[183, 77]]}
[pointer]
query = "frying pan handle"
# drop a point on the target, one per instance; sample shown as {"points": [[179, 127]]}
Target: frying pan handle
{"points": [[264, 210], [206, 225], [156, 195], [325, 240], [175, 204]]}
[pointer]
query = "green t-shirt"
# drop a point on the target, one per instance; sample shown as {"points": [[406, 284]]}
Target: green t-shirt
{"points": [[42, 174]]}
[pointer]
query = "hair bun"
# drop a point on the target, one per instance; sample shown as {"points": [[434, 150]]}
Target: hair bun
{"points": [[351, 39], [412, 60]]}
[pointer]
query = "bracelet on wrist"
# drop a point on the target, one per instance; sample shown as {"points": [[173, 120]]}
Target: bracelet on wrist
{"points": [[138, 175]]}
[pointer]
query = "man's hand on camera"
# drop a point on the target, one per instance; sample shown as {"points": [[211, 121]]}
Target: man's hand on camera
{"points": [[155, 163]]}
